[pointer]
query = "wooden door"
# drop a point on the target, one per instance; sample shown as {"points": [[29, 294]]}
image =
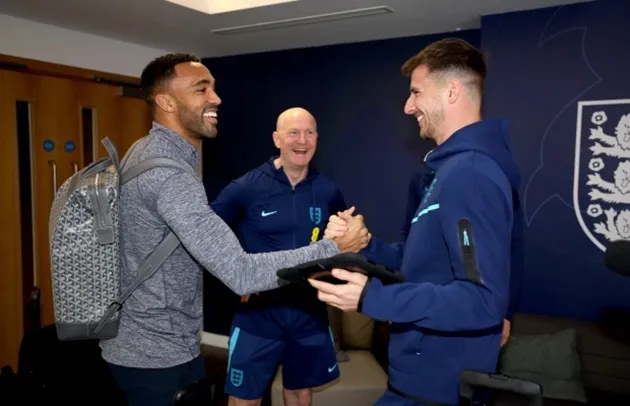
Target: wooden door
{"points": [[135, 120], [56, 151], [122, 119], [50, 128]]}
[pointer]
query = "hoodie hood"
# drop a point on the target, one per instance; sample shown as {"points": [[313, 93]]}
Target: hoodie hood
{"points": [[269, 168], [278, 179], [488, 137]]}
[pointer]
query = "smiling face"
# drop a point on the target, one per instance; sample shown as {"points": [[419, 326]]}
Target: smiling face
{"points": [[195, 100], [446, 87], [425, 103], [296, 138]]}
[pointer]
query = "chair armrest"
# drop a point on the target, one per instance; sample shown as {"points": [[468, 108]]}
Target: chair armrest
{"points": [[469, 380]]}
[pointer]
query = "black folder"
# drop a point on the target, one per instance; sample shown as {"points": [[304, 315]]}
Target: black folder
{"points": [[321, 270]]}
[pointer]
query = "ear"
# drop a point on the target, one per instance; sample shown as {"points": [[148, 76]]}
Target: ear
{"points": [[165, 102], [276, 139], [454, 90]]}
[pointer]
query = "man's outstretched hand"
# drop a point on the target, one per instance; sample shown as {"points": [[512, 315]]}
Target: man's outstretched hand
{"points": [[342, 223], [355, 235]]}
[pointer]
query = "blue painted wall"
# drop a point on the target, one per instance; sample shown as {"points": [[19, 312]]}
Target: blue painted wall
{"points": [[546, 67]]}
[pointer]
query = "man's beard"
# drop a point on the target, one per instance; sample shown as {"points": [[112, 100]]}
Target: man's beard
{"points": [[195, 124], [427, 131], [431, 119]]}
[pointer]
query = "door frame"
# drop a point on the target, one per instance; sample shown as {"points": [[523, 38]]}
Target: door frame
{"points": [[64, 71]]}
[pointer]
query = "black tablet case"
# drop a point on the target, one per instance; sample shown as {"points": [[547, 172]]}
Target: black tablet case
{"points": [[320, 270]]}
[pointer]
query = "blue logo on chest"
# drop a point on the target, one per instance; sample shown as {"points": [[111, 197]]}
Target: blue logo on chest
{"points": [[424, 209], [316, 214]]}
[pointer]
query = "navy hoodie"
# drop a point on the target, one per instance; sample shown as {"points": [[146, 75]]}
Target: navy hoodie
{"points": [[447, 317], [268, 214], [419, 184]]}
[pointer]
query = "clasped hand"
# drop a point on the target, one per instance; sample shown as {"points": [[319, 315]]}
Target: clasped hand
{"points": [[349, 232]]}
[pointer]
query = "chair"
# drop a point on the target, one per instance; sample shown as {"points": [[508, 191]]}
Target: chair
{"points": [[201, 392]]}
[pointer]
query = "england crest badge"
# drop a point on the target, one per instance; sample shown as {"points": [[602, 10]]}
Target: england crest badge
{"points": [[601, 184], [316, 214], [236, 377]]}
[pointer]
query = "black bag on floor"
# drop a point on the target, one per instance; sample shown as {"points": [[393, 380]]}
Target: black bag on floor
{"points": [[51, 371]]}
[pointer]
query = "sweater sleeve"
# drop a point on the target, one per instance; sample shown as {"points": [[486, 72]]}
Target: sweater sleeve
{"points": [[182, 203]]}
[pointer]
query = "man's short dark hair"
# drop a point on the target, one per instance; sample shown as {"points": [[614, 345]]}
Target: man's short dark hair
{"points": [[160, 70], [450, 54]]}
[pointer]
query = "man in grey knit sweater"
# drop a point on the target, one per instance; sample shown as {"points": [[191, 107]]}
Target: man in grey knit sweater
{"points": [[157, 349]]}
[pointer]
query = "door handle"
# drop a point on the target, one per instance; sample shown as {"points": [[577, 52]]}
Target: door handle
{"points": [[54, 171], [75, 166]]}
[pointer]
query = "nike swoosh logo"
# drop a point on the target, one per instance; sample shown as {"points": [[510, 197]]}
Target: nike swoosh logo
{"points": [[265, 214], [330, 369]]}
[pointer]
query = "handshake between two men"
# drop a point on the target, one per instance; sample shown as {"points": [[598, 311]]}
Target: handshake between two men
{"points": [[349, 232]]}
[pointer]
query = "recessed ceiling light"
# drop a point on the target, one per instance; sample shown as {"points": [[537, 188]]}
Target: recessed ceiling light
{"points": [[226, 6]]}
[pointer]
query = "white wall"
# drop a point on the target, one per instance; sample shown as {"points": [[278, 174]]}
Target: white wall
{"points": [[48, 43], [43, 42]]}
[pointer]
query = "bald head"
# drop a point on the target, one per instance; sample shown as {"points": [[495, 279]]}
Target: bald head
{"points": [[293, 115], [296, 137]]}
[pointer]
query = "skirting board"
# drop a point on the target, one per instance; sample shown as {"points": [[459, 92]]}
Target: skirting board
{"points": [[215, 340]]}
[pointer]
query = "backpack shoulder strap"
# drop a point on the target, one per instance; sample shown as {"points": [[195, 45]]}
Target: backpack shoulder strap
{"points": [[112, 152], [148, 267]]}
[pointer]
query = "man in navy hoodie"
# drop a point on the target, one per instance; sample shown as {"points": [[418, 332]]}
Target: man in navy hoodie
{"points": [[419, 184], [284, 203], [447, 317]]}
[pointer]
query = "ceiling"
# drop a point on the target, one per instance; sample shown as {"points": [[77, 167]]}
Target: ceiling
{"points": [[164, 25]]}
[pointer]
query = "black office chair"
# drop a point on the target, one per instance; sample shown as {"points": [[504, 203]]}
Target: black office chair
{"points": [[201, 392], [482, 388]]}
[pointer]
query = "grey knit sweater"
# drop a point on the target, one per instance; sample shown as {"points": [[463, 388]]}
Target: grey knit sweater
{"points": [[161, 322]]}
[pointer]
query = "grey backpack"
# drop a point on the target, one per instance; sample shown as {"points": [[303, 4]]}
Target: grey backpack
{"points": [[85, 254]]}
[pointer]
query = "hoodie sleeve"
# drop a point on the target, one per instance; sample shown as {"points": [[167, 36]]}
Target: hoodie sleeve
{"points": [[383, 253], [476, 220], [230, 203]]}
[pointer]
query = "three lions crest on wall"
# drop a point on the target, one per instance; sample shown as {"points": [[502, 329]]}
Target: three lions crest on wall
{"points": [[601, 190]]}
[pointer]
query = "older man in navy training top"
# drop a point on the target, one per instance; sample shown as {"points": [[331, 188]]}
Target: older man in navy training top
{"points": [[284, 203], [448, 316]]}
